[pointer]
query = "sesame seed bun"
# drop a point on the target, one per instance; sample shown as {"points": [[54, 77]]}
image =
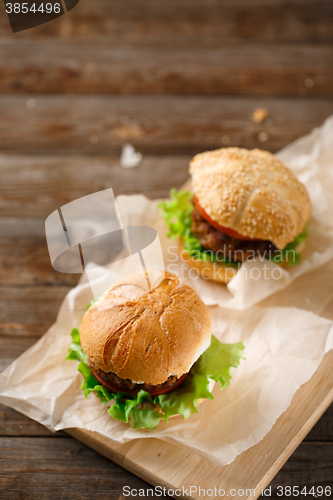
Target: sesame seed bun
{"points": [[214, 271], [251, 192], [146, 329]]}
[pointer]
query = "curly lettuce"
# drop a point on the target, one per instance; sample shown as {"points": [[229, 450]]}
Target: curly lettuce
{"points": [[289, 254], [141, 411], [176, 213]]}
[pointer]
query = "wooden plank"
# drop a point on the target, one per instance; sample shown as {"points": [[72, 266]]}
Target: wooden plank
{"points": [[25, 454], [59, 468], [44, 465], [323, 431], [73, 485], [24, 257], [135, 20], [163, 463], [11, 348], [102, 124], [310, 465], [26, 312], [33, 186], [37, 66], [15, 424]]}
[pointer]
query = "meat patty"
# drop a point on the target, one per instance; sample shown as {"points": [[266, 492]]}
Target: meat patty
{"points": [[128, 384], [227, 246]]}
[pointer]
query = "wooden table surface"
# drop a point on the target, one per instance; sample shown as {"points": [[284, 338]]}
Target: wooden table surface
{"points": [[172, 78]]}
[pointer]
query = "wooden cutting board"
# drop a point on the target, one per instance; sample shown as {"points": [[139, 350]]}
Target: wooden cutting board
{"points": [[171, 466], [175, 467]]}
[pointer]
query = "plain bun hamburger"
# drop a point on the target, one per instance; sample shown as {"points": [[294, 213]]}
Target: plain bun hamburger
{"points": [[146, 351], [145, 332]]}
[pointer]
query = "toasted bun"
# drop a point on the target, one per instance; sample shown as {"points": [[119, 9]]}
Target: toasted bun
{"points": [[146, 329], [251, 192], [215, 271]]}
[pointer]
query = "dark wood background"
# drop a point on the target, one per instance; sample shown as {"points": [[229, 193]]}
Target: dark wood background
{"points": [[172, 78]]}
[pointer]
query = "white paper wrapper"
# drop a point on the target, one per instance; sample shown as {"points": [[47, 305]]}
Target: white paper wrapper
{"points": [[285, 338]]}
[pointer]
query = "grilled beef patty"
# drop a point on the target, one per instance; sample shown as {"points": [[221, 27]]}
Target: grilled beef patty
{"points": [[227, 246], [128, 384]]}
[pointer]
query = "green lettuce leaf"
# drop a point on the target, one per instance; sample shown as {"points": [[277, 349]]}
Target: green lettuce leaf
{"points": [[216, 361], [289, 254], [176, 213], [75, 351], [92, 302], [141, 411]]}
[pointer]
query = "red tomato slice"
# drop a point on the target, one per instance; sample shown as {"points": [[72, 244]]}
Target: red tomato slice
{"points": [[225, 230], [153, 392]]}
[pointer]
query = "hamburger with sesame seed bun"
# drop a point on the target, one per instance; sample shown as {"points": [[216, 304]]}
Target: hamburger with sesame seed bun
{"points": [[245, 204], [146, 348]]}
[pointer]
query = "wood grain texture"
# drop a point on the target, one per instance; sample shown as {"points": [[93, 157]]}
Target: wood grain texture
{"points": [[24, 257], [33, 186], [74, 485], [15, 424], [27, 311], [324, 431], [153, 124], [59, 468], [182, 68], [12, 348], [191, 20], [300, 469], [74, 472]]}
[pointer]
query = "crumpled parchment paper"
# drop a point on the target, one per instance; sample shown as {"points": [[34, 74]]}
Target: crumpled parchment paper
{"points": [[285, 336]]}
